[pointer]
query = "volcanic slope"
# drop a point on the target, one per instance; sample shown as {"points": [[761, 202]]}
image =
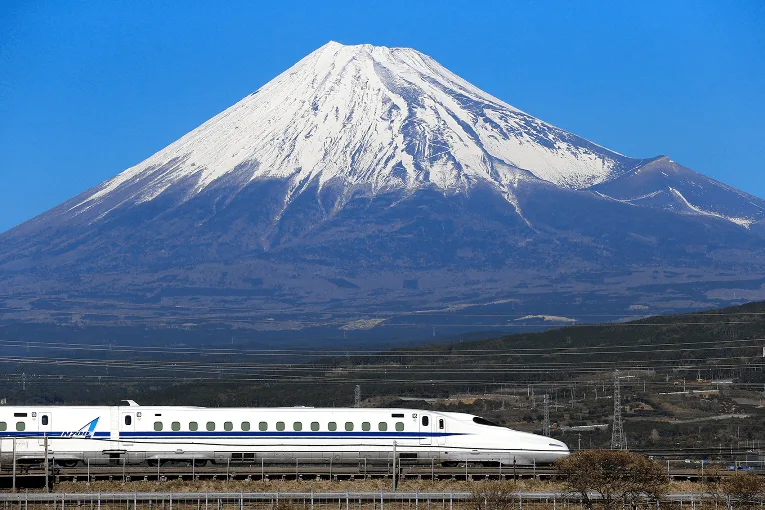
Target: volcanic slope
{"points": [[365, 184]]}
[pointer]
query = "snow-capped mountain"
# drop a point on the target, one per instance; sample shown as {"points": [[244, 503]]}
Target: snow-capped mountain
{"points": [[370, 118], [376, 178]]}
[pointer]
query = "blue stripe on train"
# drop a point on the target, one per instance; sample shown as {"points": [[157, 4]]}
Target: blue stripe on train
{"points": [[225, 435]]}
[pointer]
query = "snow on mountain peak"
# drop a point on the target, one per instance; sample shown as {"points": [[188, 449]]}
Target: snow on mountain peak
{"points": [[371, 117]]}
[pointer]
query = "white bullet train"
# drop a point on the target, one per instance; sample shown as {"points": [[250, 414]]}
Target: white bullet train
{"points": [[157, 434]]}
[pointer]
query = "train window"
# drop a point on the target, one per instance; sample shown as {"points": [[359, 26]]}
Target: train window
{"points": [[399, 426], [441, 423], [228, 426], [263, 426], [210, 426], [193, 426], [365, 426], [158, 426], [245, 426], [349, 426], [280, 426], [382, 426], [128, 419], [425, 421], [315, 426], [176, 426], [3, 426], [20, 426], [44, 419], [332, 426], [297, 426]]}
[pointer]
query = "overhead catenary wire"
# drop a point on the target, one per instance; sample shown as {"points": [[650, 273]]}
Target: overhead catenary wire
{"points": [[536, 368], [179, 365], [455, 349]]}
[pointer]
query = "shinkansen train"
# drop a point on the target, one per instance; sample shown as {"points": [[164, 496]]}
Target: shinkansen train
{"points": [[154, 434]]}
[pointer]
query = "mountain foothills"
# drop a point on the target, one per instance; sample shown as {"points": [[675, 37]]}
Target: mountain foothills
{"points": [[688, 381], [367, 187]]}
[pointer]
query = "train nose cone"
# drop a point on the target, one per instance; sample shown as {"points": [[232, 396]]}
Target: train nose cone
{"points": [[560, 449], [554, 450]]}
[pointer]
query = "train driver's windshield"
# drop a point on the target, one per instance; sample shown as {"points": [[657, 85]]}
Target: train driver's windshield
{"points": [[484, 421]]}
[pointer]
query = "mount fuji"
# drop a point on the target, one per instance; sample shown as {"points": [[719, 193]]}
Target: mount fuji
{"points": [[367, 187]]}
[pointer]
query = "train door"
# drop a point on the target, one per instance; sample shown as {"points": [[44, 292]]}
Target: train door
{"points": [[425, 429], [441, 432], [44, 425], [127, 427]]}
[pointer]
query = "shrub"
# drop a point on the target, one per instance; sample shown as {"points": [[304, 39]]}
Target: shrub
{"points": [[493, 496]]}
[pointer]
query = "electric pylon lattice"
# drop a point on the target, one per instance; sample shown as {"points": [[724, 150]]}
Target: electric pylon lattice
{"points": [[618, 440]]}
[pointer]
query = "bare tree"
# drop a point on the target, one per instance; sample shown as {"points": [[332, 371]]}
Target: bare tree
{"points": [[741, 490], [616, 477]]}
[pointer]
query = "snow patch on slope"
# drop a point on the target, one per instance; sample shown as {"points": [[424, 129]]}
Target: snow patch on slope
{"points": [[744, 222], [547, 318]]}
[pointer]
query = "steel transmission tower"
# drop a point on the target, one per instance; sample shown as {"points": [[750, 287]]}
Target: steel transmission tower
{"points": [[357, 396], [618, 440], [546, 421]]}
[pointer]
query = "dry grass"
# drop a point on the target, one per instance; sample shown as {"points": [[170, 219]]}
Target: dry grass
{"points": [[176, 485]]}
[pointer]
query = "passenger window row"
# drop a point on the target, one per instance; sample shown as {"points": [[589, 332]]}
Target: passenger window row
{"points": [[22, 426], [280, 426]]}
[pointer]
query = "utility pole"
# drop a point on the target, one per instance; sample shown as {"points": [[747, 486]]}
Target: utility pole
{"points": [[357, 396], [13, 489], [546, 421], [395, 481], [47, 469], [618, 441]]}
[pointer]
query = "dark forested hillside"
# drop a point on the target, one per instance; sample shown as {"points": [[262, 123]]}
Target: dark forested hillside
{"points": [[700, 371]]}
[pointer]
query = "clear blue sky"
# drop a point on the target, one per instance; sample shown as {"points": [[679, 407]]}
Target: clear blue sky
{"points": [[88, 89]]}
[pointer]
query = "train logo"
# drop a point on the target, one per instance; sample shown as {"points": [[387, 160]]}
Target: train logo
{"points": [[85, 432]]}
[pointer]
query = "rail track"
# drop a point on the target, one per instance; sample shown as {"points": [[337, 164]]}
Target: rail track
{"points": [[190, 472]]}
